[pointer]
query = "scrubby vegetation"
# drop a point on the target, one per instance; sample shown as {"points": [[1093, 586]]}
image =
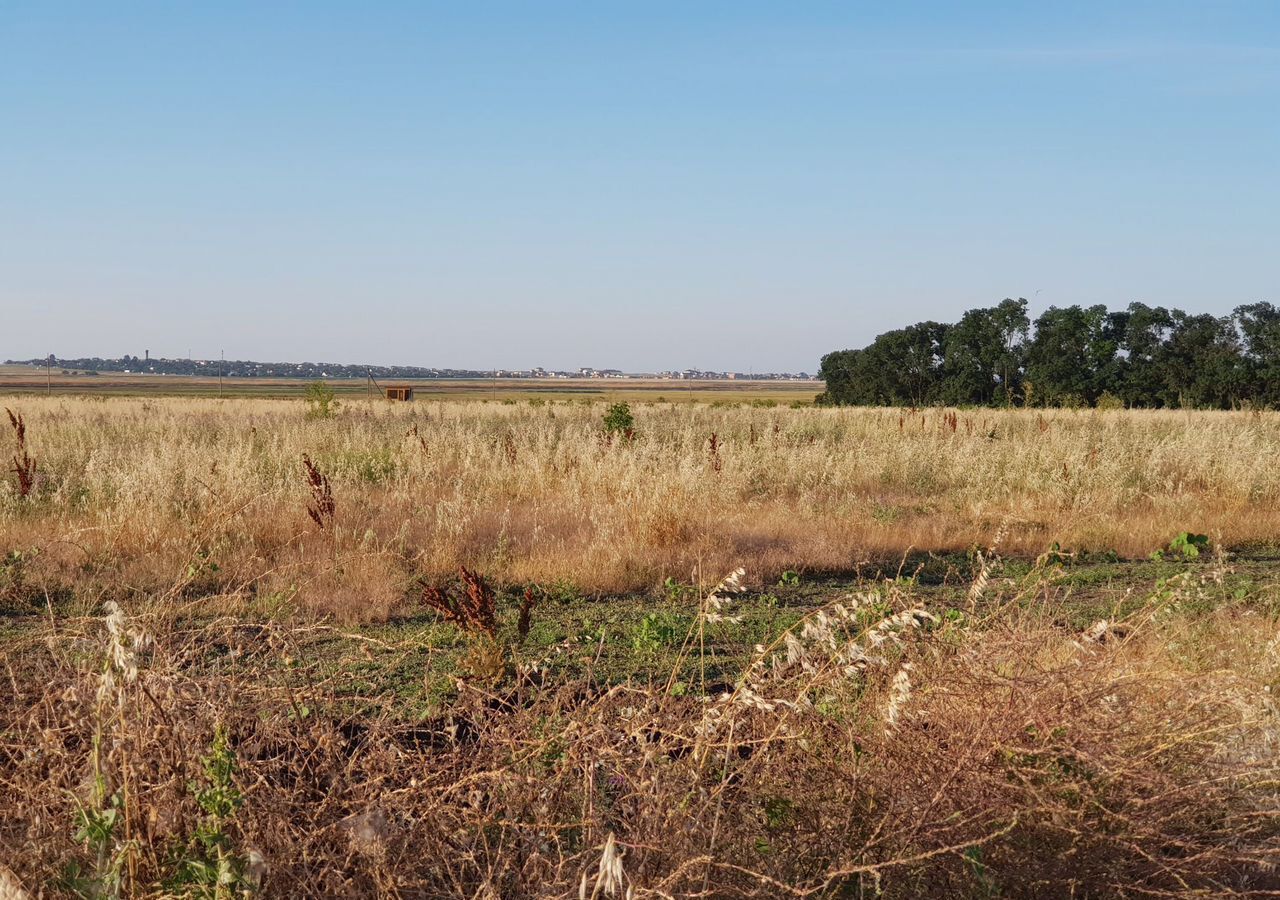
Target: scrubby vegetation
{"points": [[485, 650], [127, 492]]}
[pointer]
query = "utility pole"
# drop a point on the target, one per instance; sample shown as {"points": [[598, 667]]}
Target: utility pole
{"points": [[222, 359], [48, 376]]}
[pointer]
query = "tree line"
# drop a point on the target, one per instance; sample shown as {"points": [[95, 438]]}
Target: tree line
{"points": [[1143, 356]]}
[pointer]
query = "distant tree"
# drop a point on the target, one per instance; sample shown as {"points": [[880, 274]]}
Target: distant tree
{"points": [[899, 368], [1072, 356], [1202, 362], [1142, 356], [1258, 325], [983, 355], [848, 378], [911, 362], [1143, 332]]}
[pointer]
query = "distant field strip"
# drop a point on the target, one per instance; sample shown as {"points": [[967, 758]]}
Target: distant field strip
{"points": [[25, 380]]}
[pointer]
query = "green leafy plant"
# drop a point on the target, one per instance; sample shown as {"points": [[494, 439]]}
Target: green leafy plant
{"points": [[320, 401], [657, 630], [619, 420], [209, 866], [203, 565], [1056, 556], [1190, 545], [95, 828], [778, 812], [677, 591], [789, 579], [1186, 545]]}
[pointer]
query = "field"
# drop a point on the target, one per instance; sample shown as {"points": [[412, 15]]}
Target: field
{"points": [[484, 647], [16, 380]]}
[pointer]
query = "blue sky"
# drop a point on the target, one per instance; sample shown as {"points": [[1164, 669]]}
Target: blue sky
{"points": [[731, 185]]}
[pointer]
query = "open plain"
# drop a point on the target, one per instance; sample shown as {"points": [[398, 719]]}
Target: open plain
{"points": [[498, 649]]}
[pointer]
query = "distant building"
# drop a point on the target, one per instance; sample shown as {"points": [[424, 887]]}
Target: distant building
{"points": [[399, 392]]}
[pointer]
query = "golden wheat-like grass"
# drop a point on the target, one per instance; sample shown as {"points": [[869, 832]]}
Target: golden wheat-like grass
{"points": [[536, 494]]}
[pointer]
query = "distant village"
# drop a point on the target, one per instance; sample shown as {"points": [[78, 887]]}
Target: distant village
{"points": [[238, 368]]}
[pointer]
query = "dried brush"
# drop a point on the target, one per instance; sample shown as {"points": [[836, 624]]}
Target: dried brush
{"points": [[23, 465], [525, 621], [322, 507], [474, 609]]}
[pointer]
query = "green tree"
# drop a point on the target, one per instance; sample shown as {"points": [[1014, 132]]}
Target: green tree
{"points": [[1143, 331], [899, 368], [983, 355], [1202, 362], [1143, 356], [1072, 355], [1258, 325], [910, 361], [848, 375]]}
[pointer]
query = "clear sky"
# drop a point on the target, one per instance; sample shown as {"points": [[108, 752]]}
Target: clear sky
{"points": [[727, 185]]}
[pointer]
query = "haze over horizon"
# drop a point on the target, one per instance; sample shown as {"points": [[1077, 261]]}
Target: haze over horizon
{"points": [[728, 186]]}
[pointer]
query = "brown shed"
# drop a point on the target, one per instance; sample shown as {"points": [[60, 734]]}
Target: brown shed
{"points": [[399, 392]]}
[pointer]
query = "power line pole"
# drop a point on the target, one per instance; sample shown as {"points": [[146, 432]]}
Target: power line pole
{"points": [[48, 376], [222, 359]]}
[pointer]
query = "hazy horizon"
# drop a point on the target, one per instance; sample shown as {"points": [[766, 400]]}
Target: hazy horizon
{"points": [[373, 363], [737, 187]]}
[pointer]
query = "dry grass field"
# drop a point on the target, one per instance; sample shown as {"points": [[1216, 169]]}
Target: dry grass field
{"points": [[536, 492], [483, 649]]}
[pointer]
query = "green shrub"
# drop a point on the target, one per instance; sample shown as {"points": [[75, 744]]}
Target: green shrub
{"points": [[1108, 400], [209, 865], [320, 401], [1186, 545], [618, 418], [659, 630]]}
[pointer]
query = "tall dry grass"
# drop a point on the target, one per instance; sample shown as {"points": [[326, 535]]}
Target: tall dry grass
{"points": [[141, 489]]}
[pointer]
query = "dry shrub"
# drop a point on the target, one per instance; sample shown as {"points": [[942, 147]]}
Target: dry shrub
{"points": [[472, 608], [360, 585], [24, 467], [867, 751], [322, 507]]}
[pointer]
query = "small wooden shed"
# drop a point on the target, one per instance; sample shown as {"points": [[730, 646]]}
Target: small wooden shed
{"points": [[399, 391]]}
